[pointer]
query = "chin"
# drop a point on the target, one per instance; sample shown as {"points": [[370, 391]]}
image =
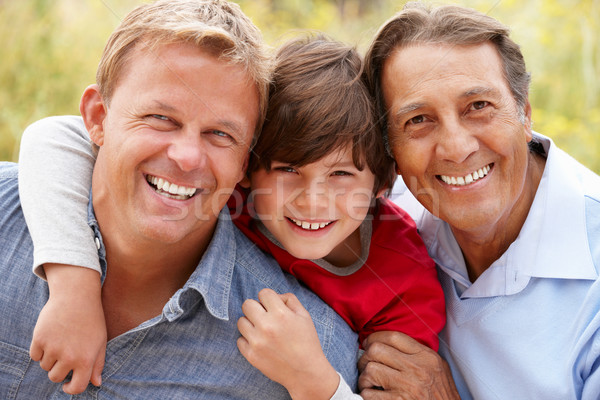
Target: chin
{"points": [[307, 254]]}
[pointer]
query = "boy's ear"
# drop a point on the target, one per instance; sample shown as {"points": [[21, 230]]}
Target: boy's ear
{"points": [[93, 111], [381, 192]]}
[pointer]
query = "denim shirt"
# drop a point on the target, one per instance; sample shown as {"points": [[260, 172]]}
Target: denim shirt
{"points": [[187, 352]]}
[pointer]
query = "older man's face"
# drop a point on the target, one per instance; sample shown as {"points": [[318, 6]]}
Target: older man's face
{"points": [[456, 134], [175, 140]]}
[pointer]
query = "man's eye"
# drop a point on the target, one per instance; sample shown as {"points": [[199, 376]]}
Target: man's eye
{"points": [[161, 117], [417, 120], [219, 133], [478, 105]]}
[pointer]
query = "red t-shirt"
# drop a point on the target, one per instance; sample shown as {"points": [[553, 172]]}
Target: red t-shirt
{"points": [[396, 289]]}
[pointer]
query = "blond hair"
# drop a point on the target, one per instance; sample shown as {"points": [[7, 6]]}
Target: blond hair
{"points": [[217, 26]]}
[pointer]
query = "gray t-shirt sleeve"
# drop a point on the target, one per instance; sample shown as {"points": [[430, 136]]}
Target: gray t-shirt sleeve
{"points": [[55, 175], [344, 392]]}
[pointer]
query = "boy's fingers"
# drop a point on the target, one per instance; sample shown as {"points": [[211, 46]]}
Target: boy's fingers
{"points": [[252, 309], [293, 303], [269, 299], [58, 372], [47, 362], [79, 382], [97, 370], [35, 351]]}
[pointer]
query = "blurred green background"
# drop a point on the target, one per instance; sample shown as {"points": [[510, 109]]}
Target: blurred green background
{"points": [[50, 50]]}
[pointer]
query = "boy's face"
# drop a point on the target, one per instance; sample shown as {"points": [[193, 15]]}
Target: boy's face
{"points": [[315, 211]]}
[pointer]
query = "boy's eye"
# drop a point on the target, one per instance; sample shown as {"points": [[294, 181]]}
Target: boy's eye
{"points": [[342, 173], [285, 168]]}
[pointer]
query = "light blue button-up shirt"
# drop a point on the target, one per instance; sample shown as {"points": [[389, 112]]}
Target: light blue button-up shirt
{"points": [[529, 326], [187, 352]]}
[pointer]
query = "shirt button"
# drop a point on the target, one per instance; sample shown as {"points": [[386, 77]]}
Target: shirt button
{"points": [[97, 242]]}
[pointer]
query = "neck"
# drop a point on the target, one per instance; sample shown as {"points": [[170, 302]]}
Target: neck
{"points": [[483, 246], [142, 275]]}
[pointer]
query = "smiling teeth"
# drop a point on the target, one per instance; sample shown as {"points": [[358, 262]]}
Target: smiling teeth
{"points": [[313, 226], [467, 179], [171, 188]]}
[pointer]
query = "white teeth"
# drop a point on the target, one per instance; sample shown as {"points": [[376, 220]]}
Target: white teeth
{"points": [[166, 187], [467, 179], [313, 226]]}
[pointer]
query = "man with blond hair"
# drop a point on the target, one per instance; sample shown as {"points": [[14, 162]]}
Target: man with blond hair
{"points": [[181, 91]]}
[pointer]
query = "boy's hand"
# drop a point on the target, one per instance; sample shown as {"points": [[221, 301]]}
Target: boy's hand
{"points": [[70, 334], [279, 338]]}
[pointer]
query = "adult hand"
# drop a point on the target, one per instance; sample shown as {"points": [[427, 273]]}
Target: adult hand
{"points": [[404, 369], [70, 333]]}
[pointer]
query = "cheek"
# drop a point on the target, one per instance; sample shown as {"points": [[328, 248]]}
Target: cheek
{"points": [[355, 204], [412, 158]]}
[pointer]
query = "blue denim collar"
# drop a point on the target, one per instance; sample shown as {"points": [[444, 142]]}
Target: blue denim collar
{"points": [[212, 277]]}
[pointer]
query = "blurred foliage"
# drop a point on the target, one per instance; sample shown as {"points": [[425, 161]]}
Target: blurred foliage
{"points": [[50, 50]]}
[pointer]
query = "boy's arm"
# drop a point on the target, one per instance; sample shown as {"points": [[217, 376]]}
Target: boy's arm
{"points": [[279, 338], [55, 169], [70, 333], [55, 174]]}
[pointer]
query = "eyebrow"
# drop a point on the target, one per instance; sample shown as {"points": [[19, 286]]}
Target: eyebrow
{"points": [[163, 106], [405, 110], [345, 164], [479, 90]]}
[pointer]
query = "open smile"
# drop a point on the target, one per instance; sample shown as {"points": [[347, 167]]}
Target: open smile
{"points": [[171, 190], [310, 226], [466, 179]]}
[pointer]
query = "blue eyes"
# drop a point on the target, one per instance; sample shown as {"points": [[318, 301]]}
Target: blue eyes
{"points": [[219, 133]]}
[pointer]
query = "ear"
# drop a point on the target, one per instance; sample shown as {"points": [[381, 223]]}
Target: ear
{"points": [[93, 111], [244, 180], [528, 122], [381, 192]]}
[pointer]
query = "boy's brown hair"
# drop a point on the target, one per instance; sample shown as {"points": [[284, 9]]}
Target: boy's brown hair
{"points": [[319, 104]]}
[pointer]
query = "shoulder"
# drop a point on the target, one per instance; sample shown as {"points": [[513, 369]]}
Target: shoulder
{"points": [[9, 188], [8, 171], [395, 232], [15, 243]]}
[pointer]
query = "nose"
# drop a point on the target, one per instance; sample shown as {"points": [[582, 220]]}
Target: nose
{"points": [[315, 196], [456, 141], [187, 150]]}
